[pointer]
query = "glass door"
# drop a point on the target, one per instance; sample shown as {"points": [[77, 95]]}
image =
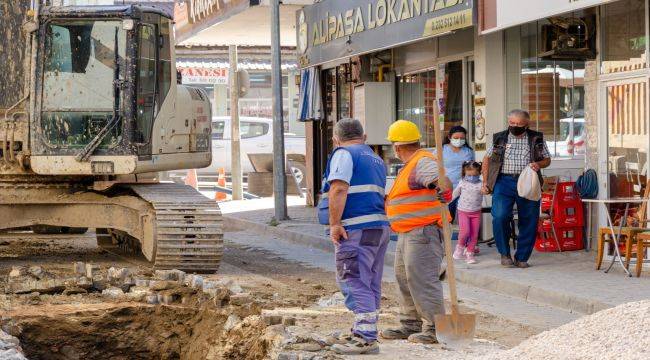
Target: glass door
{"points": [[626, 116]]}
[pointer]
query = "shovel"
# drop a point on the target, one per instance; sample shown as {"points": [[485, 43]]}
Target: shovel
{"points": [[457, 329]]}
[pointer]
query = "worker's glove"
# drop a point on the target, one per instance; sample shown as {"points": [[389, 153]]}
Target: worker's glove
{"points": [[445, 196]]}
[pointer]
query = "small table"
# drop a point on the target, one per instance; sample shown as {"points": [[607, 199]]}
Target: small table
{"points": [[616, 235]]}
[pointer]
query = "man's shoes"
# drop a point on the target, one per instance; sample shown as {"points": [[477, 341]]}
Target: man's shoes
{"points": [[356, 346], [397, 334], [522, 264], [425, 337], [507, 261]]}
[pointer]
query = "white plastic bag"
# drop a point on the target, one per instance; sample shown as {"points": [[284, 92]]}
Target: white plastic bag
{"points": [[528, 186]]}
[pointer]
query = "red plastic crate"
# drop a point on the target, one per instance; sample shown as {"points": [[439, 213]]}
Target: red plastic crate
{"points": [[568, 214], [570, 238], [566, 192]]}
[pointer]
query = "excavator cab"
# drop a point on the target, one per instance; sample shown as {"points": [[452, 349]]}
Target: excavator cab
{"points": [[89, 109], [105, 78]]}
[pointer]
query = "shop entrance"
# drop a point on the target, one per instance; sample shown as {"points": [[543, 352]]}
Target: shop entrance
{"points": [[625, 110]]}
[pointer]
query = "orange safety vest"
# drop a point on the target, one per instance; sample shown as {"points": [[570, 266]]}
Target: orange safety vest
{"points": [[410, 209]]}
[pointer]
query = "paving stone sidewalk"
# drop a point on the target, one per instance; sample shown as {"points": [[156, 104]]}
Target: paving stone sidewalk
{"points": [[563, 280]]}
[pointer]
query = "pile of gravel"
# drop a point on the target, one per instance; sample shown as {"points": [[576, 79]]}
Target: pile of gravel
{"points": [[10, 347], [618, 333]]}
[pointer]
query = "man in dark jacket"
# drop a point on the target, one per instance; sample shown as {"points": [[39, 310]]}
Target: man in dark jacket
{"points": [[511, 152]]}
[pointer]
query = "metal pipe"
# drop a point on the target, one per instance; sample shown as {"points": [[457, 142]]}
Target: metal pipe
{"points": [[279, 173]]}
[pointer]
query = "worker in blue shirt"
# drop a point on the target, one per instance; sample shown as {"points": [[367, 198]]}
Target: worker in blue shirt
{"points": [[352, 204]]}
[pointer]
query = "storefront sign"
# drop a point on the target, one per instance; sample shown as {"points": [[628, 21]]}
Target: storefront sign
{"points": [[204, 76], [335, 29], [193, 16], [501, 14]]}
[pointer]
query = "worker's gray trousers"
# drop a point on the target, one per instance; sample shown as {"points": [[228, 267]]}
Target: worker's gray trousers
{"points": [[417, 263]]}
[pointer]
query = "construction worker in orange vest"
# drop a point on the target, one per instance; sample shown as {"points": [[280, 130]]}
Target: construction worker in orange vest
{"points": [[414, 210]]}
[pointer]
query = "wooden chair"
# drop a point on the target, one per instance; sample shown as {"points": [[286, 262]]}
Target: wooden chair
{"points": [[628, 233], [642, 242]]}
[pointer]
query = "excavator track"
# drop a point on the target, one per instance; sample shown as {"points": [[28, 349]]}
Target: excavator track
{"points": [[188, 230]]}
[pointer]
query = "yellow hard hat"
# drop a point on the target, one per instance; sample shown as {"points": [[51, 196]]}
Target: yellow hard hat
{"points": [[403, 132]]}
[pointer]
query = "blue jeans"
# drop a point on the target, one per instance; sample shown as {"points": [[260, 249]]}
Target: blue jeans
{"points": [[503, 199], [359, 270]]}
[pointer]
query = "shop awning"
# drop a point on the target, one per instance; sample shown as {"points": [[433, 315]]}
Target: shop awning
{"points": [[497, 15], [233, 22]]}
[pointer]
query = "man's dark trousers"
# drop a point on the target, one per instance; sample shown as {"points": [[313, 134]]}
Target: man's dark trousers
{"points": [[503, 199]]}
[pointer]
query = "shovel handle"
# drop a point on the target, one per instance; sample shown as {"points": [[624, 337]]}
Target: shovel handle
{"points": [[446, 226]]}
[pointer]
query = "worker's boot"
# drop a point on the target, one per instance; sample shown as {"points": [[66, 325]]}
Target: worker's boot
{"points": [[338, 338], [426, 337], [356, 346], [400, 333]]}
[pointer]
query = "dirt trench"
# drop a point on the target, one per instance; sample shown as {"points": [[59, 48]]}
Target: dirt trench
{"points": [[138, 331]]}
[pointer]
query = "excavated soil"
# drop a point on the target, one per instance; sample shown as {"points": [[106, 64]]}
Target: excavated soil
{"points": [[139, 331]]}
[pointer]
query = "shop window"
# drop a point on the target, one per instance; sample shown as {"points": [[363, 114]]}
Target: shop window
{"points": [[624, 36], [416, 97], [551, 90]]}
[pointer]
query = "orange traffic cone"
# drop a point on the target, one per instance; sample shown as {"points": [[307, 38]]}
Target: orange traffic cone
{"points": [[191, 179], [221, 182]]}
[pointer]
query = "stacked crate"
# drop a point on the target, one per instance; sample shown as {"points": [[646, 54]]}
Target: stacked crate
{"points": [[563, 225]]}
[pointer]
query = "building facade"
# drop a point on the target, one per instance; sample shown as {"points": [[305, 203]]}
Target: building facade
{"points": [[579, 67]]}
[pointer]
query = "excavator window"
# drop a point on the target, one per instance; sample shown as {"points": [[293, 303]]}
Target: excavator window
{"points": [[82, 60], [146, 82]]}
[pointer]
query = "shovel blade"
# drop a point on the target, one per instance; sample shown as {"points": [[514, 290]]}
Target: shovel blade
{"points": [[455, 330]]}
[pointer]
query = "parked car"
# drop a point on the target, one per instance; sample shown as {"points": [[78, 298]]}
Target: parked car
{"points": [[256, 138], [572, 131]]}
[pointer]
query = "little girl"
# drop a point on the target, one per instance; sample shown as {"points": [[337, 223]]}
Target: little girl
{"points": [[469, 210]]}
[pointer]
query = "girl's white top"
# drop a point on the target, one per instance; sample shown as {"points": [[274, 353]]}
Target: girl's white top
{"points": [[471, 198]]}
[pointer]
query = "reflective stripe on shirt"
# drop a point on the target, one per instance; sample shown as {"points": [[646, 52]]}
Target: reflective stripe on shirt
{"points": [[361, 189], [364, 219], [417, 214], [413, 200]]}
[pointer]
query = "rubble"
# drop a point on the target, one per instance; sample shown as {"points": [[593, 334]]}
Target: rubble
{"points": [[170, 275], [79, 268], [231, 322], [10, 347], [337, 299], [91, 269], [113, 292]]}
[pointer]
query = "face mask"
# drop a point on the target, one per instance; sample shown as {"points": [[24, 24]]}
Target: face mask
{"points": [[473, 178], [517, 130], [458, 142]]}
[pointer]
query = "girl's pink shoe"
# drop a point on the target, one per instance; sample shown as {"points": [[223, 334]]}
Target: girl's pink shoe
{"points": [[469, 258], [458, 253]]}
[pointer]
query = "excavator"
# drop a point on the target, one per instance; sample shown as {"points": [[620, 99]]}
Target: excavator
{"points": [[90, 113]]}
